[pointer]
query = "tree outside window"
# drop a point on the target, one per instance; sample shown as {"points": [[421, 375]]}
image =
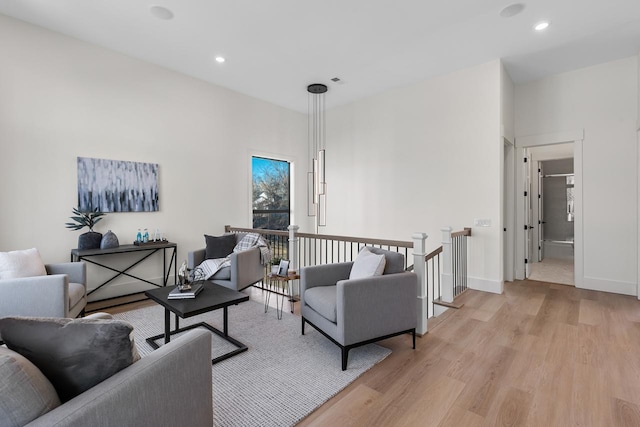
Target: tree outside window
{"points": [[271, 193]]}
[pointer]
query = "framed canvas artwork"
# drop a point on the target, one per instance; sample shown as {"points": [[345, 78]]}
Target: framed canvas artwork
{"points": [[117, 186]]}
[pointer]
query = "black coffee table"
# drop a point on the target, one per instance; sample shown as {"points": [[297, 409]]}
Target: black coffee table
{"points": [[212, 297]]}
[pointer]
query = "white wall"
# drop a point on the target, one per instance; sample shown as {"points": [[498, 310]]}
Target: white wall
{"points": [[418, 158], [61, 98], [603, 101]]}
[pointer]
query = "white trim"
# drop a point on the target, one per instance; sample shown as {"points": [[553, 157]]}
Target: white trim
{"points": [[493, 286], [606, 285], [549, 138]]}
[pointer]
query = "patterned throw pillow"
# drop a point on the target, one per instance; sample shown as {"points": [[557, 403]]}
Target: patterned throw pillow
{"points": [[74, 354]]}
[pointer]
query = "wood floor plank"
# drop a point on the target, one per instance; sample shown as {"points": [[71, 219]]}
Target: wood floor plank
{"points": [[432, 405], [626, 414], [457, 417], [592, 312], [511, 408], [588, 408], [348, 411], [481, 390]]}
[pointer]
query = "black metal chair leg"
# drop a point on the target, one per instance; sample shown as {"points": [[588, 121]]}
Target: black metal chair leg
{"points": [[414, 339], [345, 356], [303, 326]]}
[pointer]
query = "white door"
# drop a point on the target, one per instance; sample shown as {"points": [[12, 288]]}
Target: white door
{"points": [[540, 211], [528, 214]]}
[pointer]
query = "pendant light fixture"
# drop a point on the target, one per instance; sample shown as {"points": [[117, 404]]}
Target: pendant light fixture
{"points": [[316, 178]]}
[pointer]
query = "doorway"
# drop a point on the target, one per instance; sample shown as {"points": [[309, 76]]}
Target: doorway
{"points": [[553, 215], [531, 248]]}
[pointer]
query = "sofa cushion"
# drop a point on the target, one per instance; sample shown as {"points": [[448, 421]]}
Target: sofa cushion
{"points": [[76, 293], [220, 246], [323, 300], [26, 393], [26, 263], [74, 354], [223, 274], [367, 264]]}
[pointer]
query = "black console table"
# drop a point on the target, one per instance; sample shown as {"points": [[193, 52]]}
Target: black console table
{"points": [[87, 255]]}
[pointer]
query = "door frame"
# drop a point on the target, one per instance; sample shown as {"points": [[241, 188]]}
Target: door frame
{"points": [[522, 142], [508, 212]]}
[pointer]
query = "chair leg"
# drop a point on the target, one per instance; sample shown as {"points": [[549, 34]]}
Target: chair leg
{"points": [[345, 356], [303, 326], [414, 339]]}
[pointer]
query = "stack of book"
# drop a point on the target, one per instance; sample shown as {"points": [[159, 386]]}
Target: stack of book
{"points": [[185, 294]]}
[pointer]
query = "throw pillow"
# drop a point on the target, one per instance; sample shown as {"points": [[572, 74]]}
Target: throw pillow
{"points": [[74, 354], [219, 247], [26, 392], [367, 264], [16, 264]]}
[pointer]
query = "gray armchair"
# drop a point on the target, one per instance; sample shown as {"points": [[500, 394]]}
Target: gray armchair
{"points": [[356, 312], [245, 269], [61, 293]]}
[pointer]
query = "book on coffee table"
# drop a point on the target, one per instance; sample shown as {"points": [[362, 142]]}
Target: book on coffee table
{"points": [[190, 293]]}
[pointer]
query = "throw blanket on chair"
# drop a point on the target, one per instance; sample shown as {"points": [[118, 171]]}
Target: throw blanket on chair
{"points": [[209, 267]]}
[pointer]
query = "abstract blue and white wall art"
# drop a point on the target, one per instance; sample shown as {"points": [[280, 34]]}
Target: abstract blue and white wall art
{"points": [[117, 186]]}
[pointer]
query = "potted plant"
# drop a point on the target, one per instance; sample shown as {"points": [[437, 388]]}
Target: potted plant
{"points": [[275, 263], [90, 239]]}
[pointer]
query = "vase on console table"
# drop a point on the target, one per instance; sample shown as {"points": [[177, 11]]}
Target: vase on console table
{"points": [[109, 240], [89, 240]]}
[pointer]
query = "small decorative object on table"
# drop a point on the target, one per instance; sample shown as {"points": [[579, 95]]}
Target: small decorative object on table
{"points": [[183, 288], [183, 278], [90, 239], [184, 293], [283, 268], [109, 240]]}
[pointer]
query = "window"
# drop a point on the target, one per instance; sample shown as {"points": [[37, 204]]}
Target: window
{"points": [[271, 193]]}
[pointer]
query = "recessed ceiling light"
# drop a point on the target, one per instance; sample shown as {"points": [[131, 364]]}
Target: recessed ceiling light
{"points": [[161, 12], [512, 10], [541, 26], [220, 59]]}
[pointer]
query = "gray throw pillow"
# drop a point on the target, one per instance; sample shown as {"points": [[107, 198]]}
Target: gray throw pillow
{"points": [[219, 247], [25, 392], [74, 354]]}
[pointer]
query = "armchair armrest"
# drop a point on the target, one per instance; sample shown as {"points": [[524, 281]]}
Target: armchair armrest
{"points": [[323, 275], [41, 296], [246, 268], [376, 306], [195, 258], [77, 271]]}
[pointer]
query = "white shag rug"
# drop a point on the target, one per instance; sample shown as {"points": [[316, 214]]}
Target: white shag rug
{"points": [[282, 378]]}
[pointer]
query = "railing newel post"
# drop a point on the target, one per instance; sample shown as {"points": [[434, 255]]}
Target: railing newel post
{"points": [[447, 278], [422, 295]]}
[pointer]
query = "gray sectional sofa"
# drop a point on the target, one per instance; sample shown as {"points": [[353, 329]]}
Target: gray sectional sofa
{"points": [[169, 387]]}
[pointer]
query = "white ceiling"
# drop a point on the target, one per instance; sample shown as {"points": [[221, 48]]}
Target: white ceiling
{"points": [[275, 48]]}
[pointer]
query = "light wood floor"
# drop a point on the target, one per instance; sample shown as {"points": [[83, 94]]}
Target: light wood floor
{"points": [[539, 355]]}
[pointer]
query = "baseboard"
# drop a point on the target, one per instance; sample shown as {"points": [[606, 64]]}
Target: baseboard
{"points": [[612, 286], [493, 286]]}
